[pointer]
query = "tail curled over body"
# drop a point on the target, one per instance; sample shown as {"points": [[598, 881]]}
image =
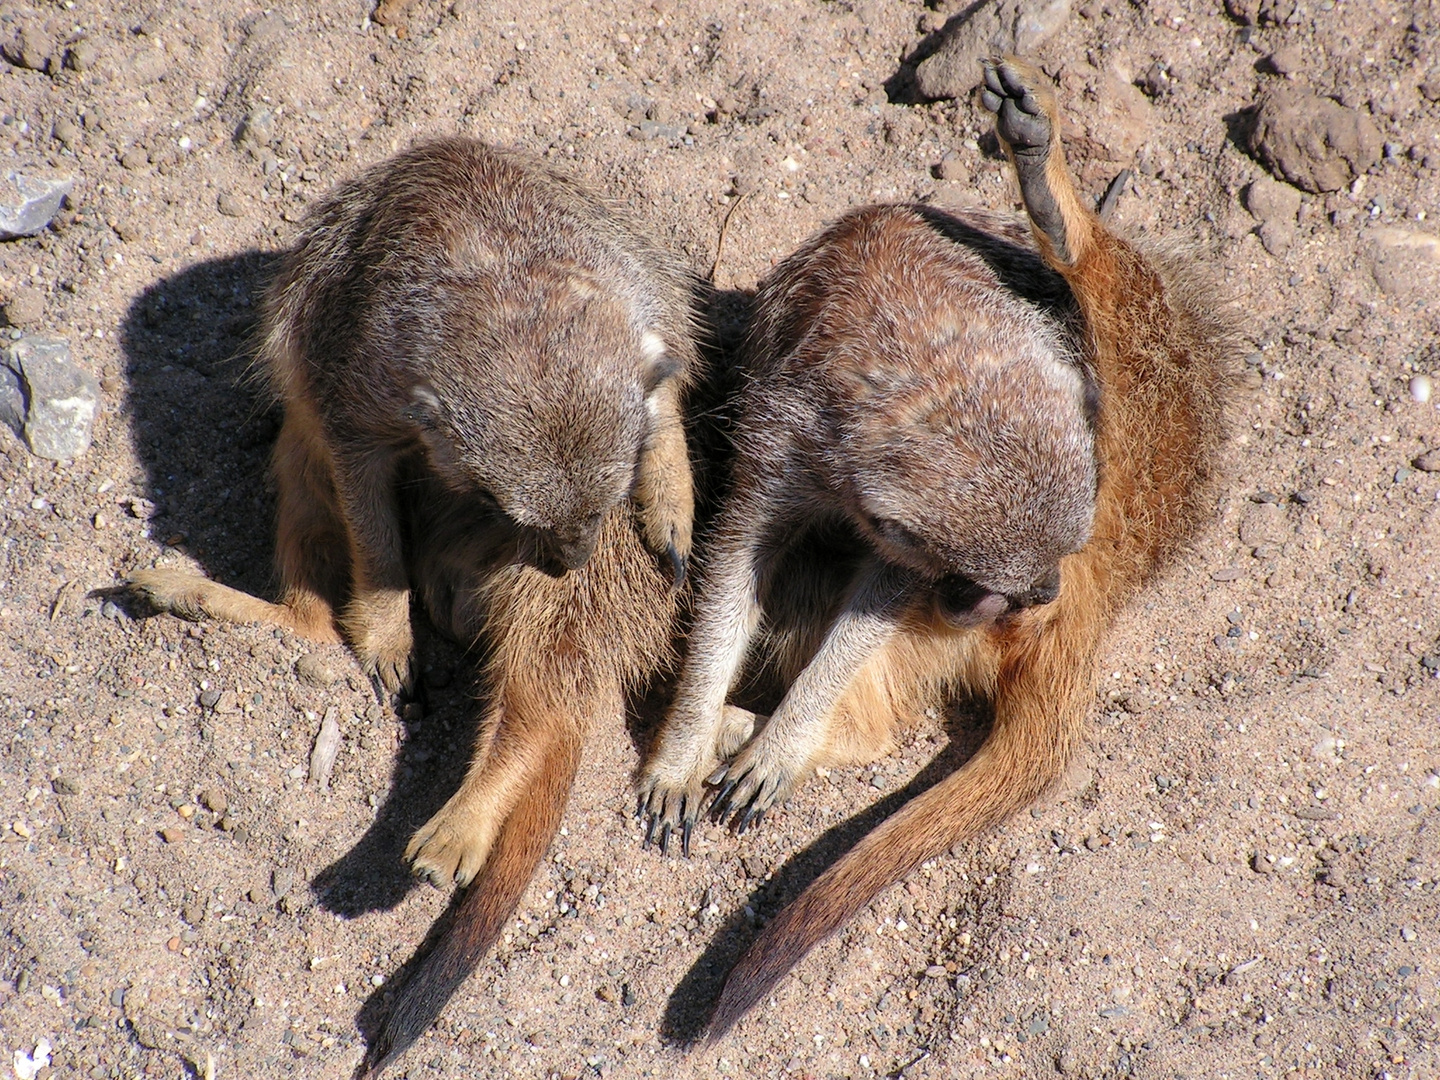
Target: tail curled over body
{"points": [[481, 914], [1163, 354]]}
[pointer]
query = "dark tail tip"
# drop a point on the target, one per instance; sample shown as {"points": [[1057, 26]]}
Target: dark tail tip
{"points": [[479, 916]]}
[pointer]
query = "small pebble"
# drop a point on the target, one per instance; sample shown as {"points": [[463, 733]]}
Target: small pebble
{"points": [[172, 835], [1421, 388], [1407, 934], [952, 168], [1428, 461], [26, 307], [314, 670], [208, 698]]}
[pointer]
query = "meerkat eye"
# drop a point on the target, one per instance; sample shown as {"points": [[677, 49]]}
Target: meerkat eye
{"points": [[424, 407], [891, 531]]}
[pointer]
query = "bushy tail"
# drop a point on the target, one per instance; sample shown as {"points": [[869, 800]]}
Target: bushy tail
{"points": [[487, 904], [1043, 690]]}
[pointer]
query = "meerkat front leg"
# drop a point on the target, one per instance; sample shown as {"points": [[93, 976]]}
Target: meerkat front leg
{"points": [[700, 731], [663, 491], [768, 768], [376, 620], [1027, 120]]}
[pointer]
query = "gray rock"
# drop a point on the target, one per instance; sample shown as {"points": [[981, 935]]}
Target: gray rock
{"points": [[993, 26], [59, 398], [12, 401], [29, 202], [1313, 142]]}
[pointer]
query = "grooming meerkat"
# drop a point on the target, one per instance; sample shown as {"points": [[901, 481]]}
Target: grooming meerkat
{"points": [[1162, 357], [901, 390], [481, 365]]}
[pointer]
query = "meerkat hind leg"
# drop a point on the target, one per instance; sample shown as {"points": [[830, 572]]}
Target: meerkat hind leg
{"points": [[190, 596], [1027, 119]]}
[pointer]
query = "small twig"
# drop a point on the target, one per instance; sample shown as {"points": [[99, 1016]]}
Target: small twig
{"points": [[921, 1056], [724, 228], [1112, 193]]}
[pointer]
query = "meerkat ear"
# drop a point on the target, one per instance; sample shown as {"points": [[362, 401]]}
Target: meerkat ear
{"points": [[660, 364]]}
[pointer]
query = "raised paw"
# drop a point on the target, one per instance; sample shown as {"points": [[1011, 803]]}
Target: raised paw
{"points": [[451, 847], [664, 493], [1016, 93]]}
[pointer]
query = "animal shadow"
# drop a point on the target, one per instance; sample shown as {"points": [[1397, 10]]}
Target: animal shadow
{"points": [[203, 423], [202, 427], [687, 1013]]}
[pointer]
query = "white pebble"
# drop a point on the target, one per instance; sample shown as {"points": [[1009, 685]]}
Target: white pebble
{"points": [[1420, 388]]}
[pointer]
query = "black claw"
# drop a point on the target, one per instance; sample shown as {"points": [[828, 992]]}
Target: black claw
{"points": [[685, 830], [640, 802], [992, 77], [721, 804], [678, 565], [665, 839], [751, 816], [649, 831]]}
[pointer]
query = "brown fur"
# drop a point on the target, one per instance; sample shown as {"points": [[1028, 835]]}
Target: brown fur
{"points": [[1163, 356], [481, 365]]}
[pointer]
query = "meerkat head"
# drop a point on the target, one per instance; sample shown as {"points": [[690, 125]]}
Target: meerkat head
{"points": [[546, 414], [982, 485]]}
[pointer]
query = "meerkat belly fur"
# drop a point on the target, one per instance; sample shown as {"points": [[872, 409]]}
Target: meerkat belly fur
{"points": [[481, 366], [956, 589]]}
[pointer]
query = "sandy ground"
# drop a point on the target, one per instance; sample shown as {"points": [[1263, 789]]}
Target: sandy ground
{"points": [[1240, 877]]}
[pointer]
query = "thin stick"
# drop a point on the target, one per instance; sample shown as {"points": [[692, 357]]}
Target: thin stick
{"points": [[1112, 193], [724, 228]]}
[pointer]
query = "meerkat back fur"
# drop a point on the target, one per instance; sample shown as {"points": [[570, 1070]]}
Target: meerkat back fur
{"points": [[1162, 355], [481, 365]]}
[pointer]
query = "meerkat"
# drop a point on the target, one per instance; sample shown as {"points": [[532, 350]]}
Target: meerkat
{"points": [[900, 389], [1162, 354], [482, 367]]}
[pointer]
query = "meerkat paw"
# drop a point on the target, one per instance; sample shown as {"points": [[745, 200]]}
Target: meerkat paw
{"points": [[377, 626], [452, 846], [672, 791], [757, 779], [175, 591], [1023, 105]]}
